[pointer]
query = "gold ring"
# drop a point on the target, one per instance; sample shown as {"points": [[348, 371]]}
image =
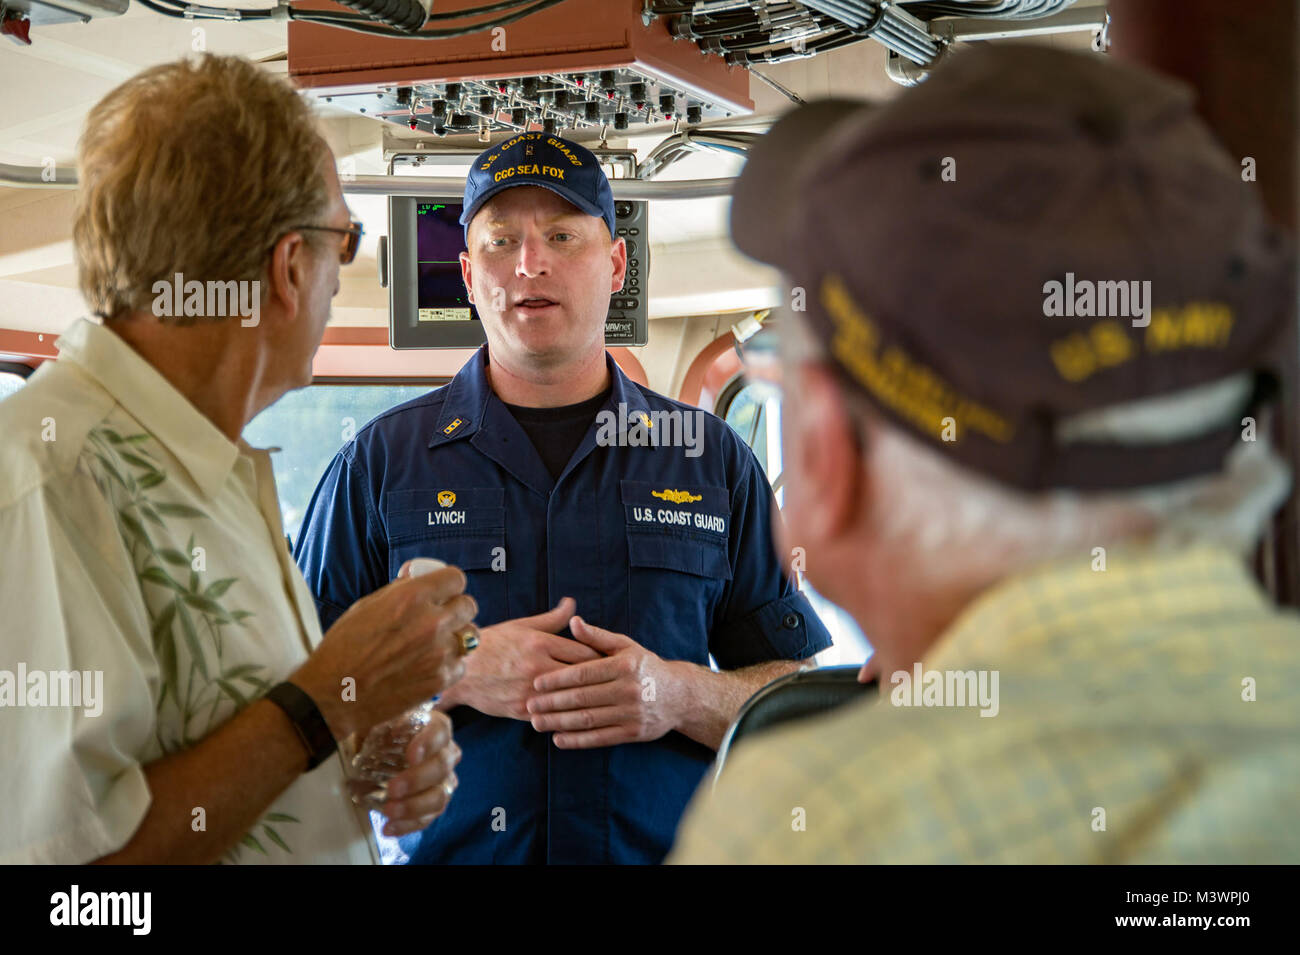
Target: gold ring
{"points": [[468, 638]]}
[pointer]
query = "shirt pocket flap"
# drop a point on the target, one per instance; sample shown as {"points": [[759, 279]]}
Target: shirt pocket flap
{"points": [[688, 554], [694, 510], [417, 515]]}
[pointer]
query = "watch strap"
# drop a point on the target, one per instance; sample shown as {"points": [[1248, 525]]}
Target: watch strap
{"points": [[307, 722]]}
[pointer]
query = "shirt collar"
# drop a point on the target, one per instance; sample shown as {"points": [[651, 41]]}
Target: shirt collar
{"points": [[1077, 598], [468, 395], [206, 454]]}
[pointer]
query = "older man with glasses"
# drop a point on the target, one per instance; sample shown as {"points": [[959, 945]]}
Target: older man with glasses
{"points": [[177, 694]]}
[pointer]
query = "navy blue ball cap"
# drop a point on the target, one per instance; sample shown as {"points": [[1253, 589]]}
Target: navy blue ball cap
{"points": [[567, 169]]}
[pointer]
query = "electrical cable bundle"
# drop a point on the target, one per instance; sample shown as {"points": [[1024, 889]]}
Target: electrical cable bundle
{"points": [[682, 144], [993, 9], [392, 18], [774, 31], [743, 31]]}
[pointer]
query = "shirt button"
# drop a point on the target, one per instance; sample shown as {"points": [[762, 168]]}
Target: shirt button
{"points": [[790, 621]]}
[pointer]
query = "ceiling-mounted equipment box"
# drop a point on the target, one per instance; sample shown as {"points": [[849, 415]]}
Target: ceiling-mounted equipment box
{"points": [[580, 67], [43, 12]]}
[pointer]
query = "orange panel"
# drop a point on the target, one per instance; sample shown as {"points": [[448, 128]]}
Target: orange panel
{"points": [[36, 346], [575, 37], [364, 352], [343, 353]]}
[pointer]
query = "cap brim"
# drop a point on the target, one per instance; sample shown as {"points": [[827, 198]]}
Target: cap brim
{"points": [[590, 208], [767, 193]]}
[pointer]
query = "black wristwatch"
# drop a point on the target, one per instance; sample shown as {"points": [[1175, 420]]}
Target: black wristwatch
{"points": [[307, 722]]}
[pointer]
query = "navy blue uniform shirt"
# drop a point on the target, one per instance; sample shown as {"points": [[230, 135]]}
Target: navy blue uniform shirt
{"points": [[673, 550]]}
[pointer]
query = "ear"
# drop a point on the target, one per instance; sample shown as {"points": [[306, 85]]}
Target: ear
{"points": [[467, 276], [618, 259], [287, 273], [830, 461]]}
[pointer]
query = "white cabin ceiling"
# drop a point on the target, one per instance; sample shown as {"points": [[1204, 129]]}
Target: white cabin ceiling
{"points": [[51, 85]]}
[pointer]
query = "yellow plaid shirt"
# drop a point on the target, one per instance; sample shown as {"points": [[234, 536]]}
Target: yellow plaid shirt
{"points": [[1147, 713]]}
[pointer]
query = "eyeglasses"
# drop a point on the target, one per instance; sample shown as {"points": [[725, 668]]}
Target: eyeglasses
{"points": [[353, 232]]}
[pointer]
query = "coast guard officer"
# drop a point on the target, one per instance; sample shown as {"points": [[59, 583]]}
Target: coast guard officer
{"points": [[553, 481]]}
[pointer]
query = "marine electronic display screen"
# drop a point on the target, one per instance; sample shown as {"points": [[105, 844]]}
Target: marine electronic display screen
{"points": [[428, 306], [439, 241]]}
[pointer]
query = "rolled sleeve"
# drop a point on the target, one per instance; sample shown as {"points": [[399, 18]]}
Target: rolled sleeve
{"points": [[765, 618], [784, 629]]}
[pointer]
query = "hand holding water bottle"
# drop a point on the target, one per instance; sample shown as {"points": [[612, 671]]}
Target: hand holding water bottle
{"points": [[404, 768]]}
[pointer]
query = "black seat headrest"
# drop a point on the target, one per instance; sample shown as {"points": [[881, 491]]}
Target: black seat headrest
{"points": [[792, 697]]}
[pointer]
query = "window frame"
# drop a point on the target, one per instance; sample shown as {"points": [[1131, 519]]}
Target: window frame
{"points": [[847, 634], [16, 368], [733, 387], [432, 381], [422, 382]]}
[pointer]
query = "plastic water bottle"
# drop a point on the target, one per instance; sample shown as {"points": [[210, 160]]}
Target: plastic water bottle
{"points": [[382, 755]]}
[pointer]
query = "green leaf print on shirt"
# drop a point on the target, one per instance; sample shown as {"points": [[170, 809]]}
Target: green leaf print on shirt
{"points": [[193, 607]]}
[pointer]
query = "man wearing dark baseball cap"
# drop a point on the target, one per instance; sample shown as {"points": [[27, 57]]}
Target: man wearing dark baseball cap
{"points": [[1041, 317], [611, 562], [567, 169]]}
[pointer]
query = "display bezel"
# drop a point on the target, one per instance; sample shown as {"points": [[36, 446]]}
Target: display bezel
{"points": [[405, 330]]}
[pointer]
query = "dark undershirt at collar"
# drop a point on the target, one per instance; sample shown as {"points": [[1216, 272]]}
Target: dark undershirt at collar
{"points": [[557, 432]]}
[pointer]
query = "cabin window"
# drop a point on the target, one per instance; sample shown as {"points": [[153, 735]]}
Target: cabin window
{"points": [[12, 377], [9, 383], [753, 409], [310, 425]]}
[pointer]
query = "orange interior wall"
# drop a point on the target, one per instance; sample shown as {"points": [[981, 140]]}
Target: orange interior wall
{"points": [[344, 352]]}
